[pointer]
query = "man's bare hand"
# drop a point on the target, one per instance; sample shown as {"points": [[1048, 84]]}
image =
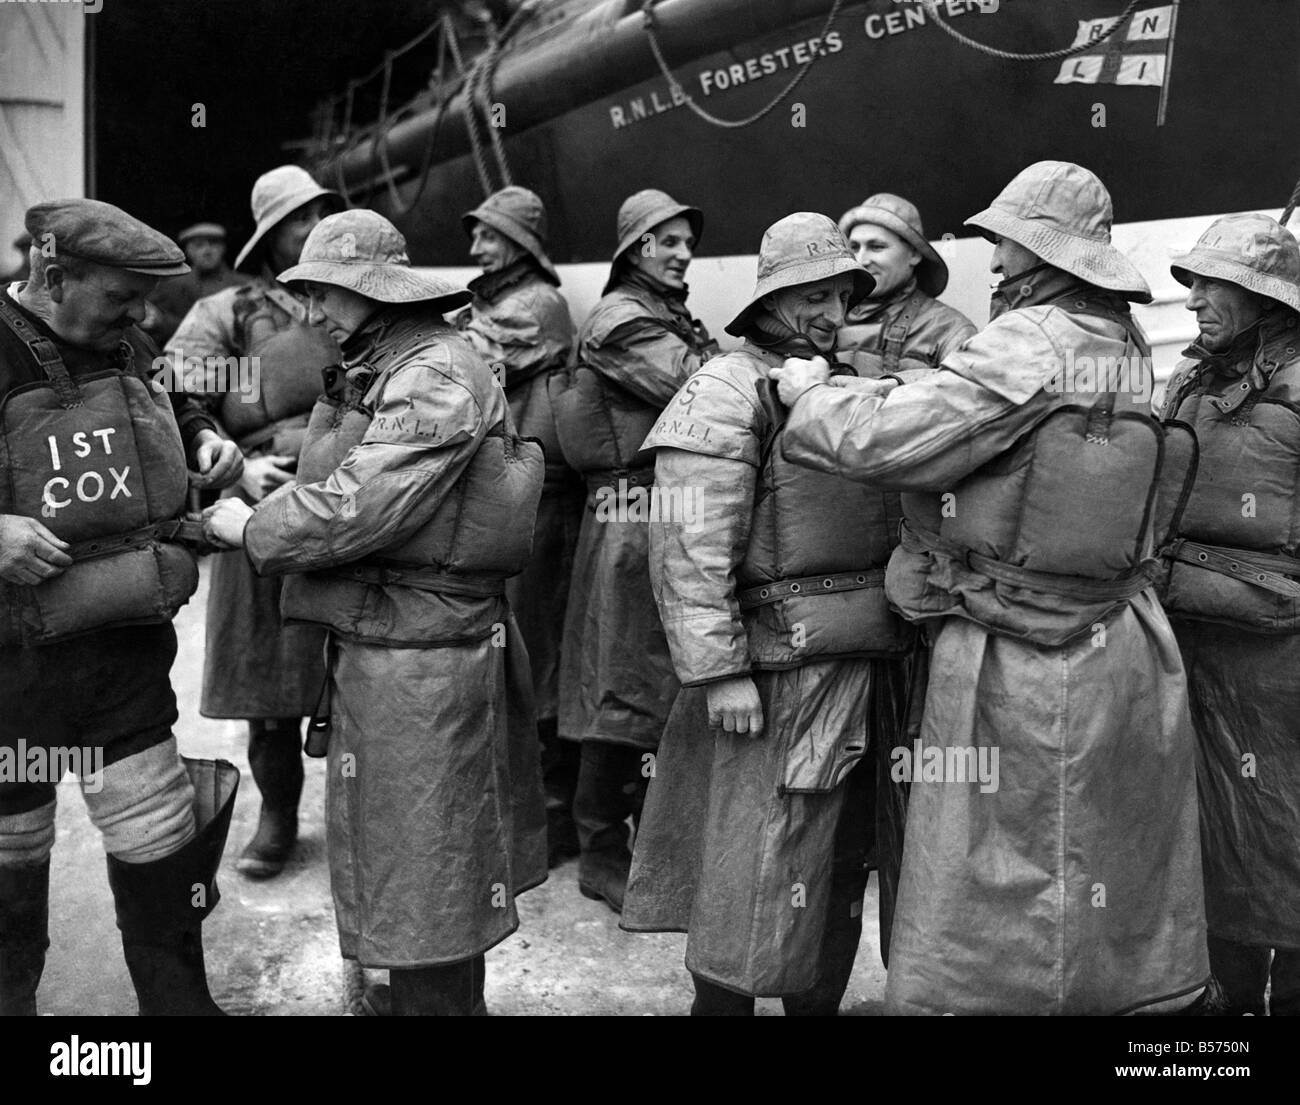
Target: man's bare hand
{"points": [[797, 375], [224, 522], [262, 475], [29, 553], [734, 706], [218, 462]]}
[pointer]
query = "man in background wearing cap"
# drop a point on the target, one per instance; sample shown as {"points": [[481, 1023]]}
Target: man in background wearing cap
{"points": [[205, 250], [519, 324], [1234, 597], [414, 501], [1051, 858], [255, 667], [637, 347], [91, 573], [772, 597], [901, 325]]}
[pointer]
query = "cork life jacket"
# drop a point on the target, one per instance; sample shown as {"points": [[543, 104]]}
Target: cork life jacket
{"points": [[812, 582], [290, 354], [1054, 536], [1235, 557], [470, 545], [602, 424], [98, 460]]}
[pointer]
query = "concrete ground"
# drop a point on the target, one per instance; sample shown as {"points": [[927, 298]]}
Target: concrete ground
{"points": [[272, 948]]}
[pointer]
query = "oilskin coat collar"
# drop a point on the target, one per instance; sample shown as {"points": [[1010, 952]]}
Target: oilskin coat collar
{"points": [[491, 286], [1254, 355]]}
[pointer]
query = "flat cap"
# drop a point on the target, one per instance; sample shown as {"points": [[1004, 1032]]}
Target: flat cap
{"points": [[202, 230], [98, 231]]}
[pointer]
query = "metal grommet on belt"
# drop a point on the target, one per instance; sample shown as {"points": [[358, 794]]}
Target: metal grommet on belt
{"points": [[795, 588], [1202, 557], [862, 579], [828, 583], [764, 593]]}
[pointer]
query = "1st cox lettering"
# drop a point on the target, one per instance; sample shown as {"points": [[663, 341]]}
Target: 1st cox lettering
{"points": [[90, 486]]}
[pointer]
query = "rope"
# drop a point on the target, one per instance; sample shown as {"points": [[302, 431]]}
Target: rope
{"points": [[673, 83], [932, 8], [1291, 205]]}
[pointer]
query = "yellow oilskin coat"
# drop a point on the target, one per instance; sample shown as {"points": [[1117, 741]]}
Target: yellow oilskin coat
{"points": [[1072, 886]]}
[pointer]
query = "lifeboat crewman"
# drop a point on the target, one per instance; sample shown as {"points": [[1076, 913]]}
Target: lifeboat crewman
{"points": [[414, 501], [636, 348], [770, 580], [1051, 858], [902, 325], [519, 323], [255, 667], [91, 573], [1234, 597]]}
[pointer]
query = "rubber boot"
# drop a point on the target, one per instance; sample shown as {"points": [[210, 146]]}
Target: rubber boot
{"points": [[162, 926], [447, 991], [377, 1001], [275, 756], [610, 790], [24, 935], [560, 779], [1242, 973], [712, 1000]]}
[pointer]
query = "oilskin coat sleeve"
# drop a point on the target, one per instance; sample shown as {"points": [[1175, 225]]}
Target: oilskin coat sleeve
{"points": [[428, 422], [208, 330], [928, 433], [638, 351], [693, 560]]}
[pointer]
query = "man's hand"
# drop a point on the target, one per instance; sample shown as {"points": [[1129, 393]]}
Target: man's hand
{"points": [[734, 706], [797, 375], [29, 553], [218, 463], [262, 475], [224, 522]]}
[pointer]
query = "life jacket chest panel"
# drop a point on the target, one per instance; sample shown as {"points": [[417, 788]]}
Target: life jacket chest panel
{"points": [[106, 466], [290, 357]]}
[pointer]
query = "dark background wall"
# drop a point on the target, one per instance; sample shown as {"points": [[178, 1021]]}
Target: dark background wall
{"points": [[258, 67]]}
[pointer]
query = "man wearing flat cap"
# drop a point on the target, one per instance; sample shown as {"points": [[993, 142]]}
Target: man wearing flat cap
{"points": [[205, 250], [256, 668], [519, 323], [759, 817], [91, 573], [901, 325], [414, 502], [1051, 858], [1233, 596]]}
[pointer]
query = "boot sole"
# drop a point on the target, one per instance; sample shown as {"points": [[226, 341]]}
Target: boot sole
{"points": [[597, 896]]}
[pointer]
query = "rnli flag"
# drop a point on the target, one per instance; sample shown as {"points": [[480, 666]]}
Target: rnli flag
{"points": [[1137, 55]]}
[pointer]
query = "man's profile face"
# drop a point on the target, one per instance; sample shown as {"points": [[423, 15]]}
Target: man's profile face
{"points": [[1223, 310], [205, 255], [491, 251], [94, 309]]}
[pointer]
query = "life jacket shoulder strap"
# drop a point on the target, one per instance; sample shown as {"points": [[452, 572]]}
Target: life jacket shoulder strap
{"points": [[45, 353]]}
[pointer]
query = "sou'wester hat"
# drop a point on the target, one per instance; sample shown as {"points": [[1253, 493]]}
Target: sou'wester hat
{"points": [[365, 253], [902, 217], [800, 249], [278, 193], [1252, 251], [1062, 213], [639, 214], [520, 215]]}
